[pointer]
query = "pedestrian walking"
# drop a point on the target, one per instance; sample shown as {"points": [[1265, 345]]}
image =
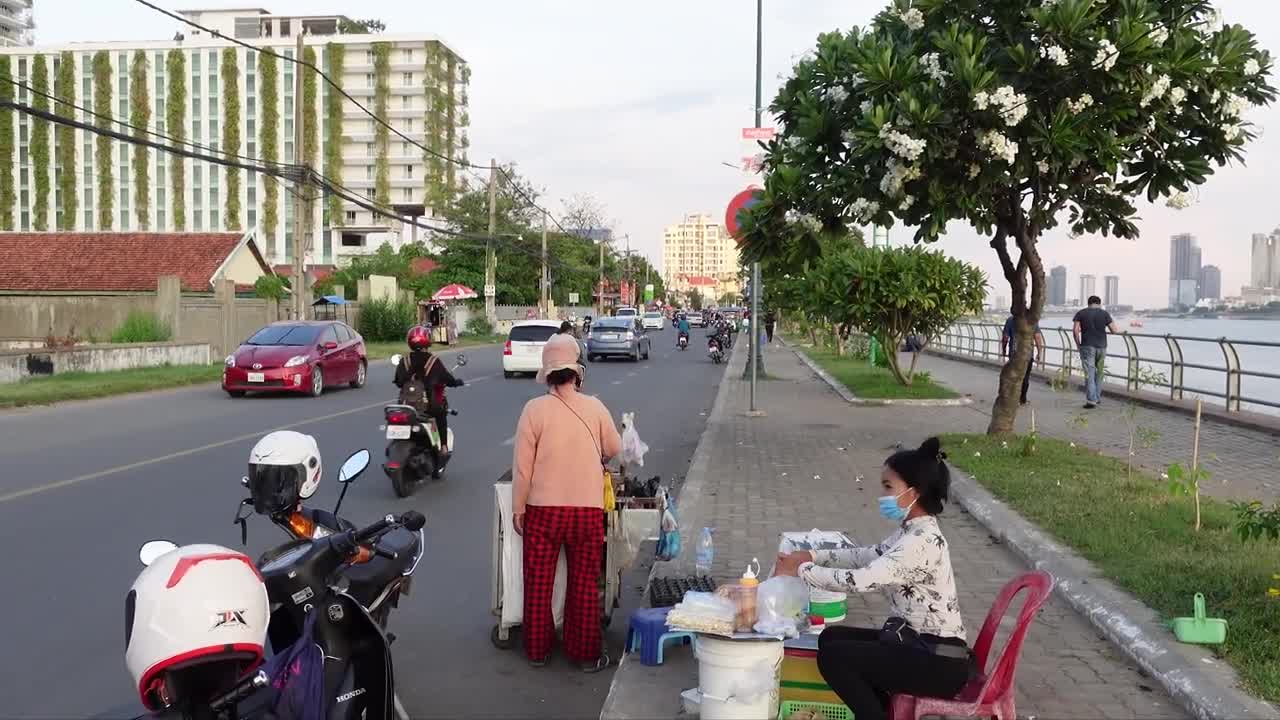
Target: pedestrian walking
{"points": [[1007, 349], [770, 320], [563, 439], [1090, 327]]}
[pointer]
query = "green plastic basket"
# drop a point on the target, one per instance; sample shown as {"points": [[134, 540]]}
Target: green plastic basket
{"points": [[1198, 628], [830, 710]]}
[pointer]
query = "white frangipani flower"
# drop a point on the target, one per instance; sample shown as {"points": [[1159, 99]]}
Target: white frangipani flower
{"points": [[1047, 4], [907, 202], [864, 210], [1179, 201], [933, 67], [1011, 105], [866, 106], [804, 220], [901, 144], [1251, 67], [1159, 35], [1151, 124], [913, 18], [837, 94], [850, 137], [1080, 104], [1232, 131], [1107, 55], [1043, 167], [1055, 54], [998, 145], [1176, 96], [896, 175], [1156, 91], [974, 170], [1234, 106]]}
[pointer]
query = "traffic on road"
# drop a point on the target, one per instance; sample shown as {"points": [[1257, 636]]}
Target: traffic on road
{"points": [[173, 470]]}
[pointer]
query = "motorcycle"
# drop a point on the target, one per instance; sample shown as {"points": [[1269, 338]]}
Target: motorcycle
{"points": [[311, 580], [714, 350], [377, 582], [414, 452], [682, 342]]}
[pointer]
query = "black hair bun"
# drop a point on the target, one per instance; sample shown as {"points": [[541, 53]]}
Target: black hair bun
{"points": [[932, 448]]}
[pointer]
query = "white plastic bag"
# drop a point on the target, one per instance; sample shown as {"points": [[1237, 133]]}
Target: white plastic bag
{"points": [[760, 679], [781, 603], [703, 612], [633, 448]]}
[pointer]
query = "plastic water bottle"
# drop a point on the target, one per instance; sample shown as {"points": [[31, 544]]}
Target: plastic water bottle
{"points": [[706, 552]]}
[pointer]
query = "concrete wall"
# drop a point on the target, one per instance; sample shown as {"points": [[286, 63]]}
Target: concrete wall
{"points": [[68, 314], [17, 365]]}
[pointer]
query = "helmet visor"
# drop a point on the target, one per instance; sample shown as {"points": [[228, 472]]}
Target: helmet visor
{"points": [[274, 487]]}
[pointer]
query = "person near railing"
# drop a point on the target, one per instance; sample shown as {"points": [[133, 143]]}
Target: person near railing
{"points": [[1090, 327], [1006, 352]]}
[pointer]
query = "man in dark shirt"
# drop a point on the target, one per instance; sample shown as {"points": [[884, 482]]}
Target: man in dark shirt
{"points": [[1006, 351], [436, 377], [1090, 326]]}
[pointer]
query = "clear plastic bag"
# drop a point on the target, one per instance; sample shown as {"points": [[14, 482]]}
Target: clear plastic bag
{"points": [[669, 526], [703, 612], [760, 679], [633, 448], [781, 603]]}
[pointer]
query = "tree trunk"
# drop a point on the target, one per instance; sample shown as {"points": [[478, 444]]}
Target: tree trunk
{"points": [[813, 334], [889, 347], [1004, 411]]}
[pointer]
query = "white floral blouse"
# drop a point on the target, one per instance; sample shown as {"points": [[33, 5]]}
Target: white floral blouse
{"points": [[912, 567]]}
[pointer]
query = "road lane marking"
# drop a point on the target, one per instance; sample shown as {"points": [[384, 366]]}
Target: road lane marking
{"points": [[509, 441], [27, 492]]}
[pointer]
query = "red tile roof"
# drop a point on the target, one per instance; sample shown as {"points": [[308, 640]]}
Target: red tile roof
{"points": [[108, 261], [701, 280]]}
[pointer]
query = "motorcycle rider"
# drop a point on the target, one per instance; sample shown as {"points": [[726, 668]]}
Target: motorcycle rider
{"points": [[422, 364], [683, 327]]}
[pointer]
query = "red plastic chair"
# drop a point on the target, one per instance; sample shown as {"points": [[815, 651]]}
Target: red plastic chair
{"points": [[987, 695]]}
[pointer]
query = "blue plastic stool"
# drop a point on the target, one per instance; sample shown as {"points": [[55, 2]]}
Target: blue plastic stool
{"points": [[648, 633]]}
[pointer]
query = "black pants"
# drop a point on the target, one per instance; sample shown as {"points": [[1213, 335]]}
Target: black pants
{"points": [[865, 672], [1026, 379], [768, 331], [442, 426]]}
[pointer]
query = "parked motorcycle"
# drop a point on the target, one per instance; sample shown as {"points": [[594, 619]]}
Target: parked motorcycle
{"points": [[414, 452], [714, 350], [376, 582], [308, 582]]}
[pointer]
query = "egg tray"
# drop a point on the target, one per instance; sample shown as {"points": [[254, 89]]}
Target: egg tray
{"points": [[669, 591]]}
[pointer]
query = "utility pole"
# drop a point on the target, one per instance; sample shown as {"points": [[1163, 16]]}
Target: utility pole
{"points": [[546, 286], [490, 260], [755, 367], [630, 284], [600, 290], [300, 190]]}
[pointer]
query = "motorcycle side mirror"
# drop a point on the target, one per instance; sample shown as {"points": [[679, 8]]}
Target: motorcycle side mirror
{"points": [[461, 360], [395, 359], [151, 551], [245, 481], [349, 471]]}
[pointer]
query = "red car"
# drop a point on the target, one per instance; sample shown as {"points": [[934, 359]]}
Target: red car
{"points": [[295, 356]]}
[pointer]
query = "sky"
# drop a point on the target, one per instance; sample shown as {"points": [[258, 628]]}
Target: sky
{"points": [[639, 103]]}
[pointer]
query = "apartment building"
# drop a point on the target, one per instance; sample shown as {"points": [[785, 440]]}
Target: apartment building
{"points": [[696, 249], [415, 82], [17, 23]]}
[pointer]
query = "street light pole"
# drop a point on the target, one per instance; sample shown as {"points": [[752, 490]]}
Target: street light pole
{"points": [[756, 366]]}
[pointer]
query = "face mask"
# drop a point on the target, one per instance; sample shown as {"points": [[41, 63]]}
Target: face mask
{"points": [[890, 509]]}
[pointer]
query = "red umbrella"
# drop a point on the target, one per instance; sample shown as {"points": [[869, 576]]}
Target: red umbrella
{"points": [[455, 292]]}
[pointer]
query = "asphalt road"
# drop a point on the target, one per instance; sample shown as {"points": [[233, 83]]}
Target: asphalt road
{"points": [[84, 485]]}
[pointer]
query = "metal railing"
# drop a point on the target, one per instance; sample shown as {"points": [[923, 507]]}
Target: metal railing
{"points": [[1179, 364]]}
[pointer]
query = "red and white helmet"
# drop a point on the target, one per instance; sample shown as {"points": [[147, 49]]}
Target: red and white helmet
{"points": [[284, 467], [419, 337], [201, 608]]}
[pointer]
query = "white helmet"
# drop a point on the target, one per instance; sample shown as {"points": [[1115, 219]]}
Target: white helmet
{"points": [[199, 607], [284, 467]]}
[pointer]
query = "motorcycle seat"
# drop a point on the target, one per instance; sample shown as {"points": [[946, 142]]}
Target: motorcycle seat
{"points": [[379, 571]]}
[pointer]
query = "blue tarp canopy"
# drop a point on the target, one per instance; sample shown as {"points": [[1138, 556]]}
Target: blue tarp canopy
{"points": [[330, 300]]}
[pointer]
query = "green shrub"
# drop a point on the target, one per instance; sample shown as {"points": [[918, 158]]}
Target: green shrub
{"points": [[479, 325], [386, 321], [141, 327], [271, 287]]}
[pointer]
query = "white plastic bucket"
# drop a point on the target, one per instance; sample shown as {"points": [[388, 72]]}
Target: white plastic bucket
{"points": [[831, 606], [726, 666]]}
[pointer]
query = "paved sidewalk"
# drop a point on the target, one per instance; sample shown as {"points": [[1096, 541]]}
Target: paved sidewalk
{"points": [[814, 461], [1242, 461]]}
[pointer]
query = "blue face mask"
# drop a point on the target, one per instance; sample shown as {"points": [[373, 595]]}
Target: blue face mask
{"points": [[890, 509]]}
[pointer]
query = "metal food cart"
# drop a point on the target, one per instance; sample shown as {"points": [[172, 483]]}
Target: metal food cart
{"points": [[634, 521]]}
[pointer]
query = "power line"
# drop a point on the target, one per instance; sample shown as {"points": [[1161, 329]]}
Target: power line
{"points": [[320, 73]]}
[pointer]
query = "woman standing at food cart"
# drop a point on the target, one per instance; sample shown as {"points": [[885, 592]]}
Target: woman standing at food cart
{"points": [[562, 441]]}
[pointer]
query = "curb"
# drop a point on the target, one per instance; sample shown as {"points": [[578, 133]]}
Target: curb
{"points": [[1203, 685], [687, 504], [852, 399]]}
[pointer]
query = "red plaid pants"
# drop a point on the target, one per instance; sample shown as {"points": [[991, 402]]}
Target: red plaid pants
{"points": [[580, 530]]}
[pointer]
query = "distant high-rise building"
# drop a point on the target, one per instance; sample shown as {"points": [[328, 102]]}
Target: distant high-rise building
{"points": [[698, 254], [16, 23], [1058, 286], [1111, 290], [1266, 260], [1184, 270], [1210, 283], [1088, 287]]}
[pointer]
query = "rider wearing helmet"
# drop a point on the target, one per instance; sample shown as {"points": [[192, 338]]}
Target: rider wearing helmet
{"points": [[420, 363], [284, 470], [195, 624]]}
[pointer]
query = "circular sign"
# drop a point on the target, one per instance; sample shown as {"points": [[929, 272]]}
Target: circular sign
{"points": [[740, 202]]}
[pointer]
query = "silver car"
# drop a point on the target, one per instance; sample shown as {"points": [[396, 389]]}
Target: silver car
{"points": [[618, 337]]}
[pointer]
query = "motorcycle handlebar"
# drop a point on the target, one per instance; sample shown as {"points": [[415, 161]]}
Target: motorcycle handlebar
{"points": [[242, 690]]}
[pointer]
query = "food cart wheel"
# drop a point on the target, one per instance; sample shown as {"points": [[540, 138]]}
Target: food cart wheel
{"points": [[496, 638]]}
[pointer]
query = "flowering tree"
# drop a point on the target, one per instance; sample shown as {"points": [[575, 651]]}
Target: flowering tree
{"points": [[1011, 116]]}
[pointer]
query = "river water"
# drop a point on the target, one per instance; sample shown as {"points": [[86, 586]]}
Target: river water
{"points": [[1205, 350]]}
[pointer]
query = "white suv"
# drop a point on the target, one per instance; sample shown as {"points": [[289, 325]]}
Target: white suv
{"points": [[627, 312], [523, 351], [655, 321]]}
